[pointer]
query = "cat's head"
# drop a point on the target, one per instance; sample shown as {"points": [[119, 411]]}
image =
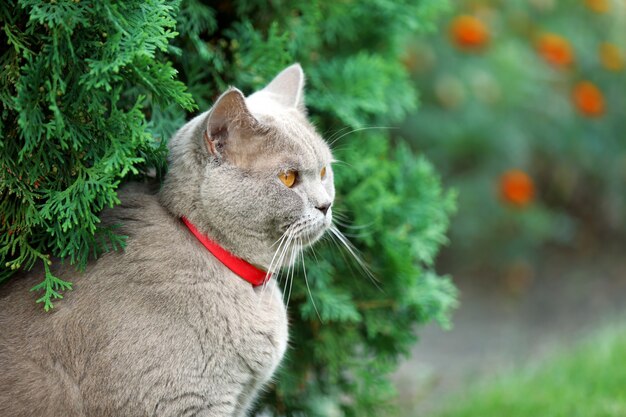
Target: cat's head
{"points": [[253, 170]]}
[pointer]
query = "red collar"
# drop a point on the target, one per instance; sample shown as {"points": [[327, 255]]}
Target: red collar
{"points": [[245, 270]]}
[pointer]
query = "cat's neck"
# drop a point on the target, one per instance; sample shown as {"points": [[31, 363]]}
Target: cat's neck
{"points": [[245, 270], [246, 247]]}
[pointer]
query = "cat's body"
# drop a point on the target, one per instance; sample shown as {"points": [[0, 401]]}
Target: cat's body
{"points": [[165, 328], [146, 339]]}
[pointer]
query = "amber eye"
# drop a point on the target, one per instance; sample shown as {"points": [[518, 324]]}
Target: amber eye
{"points": [[288, 178], [323, 173]]}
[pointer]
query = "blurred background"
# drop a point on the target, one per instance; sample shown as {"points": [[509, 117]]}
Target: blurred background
{"points": [[523, 112]]}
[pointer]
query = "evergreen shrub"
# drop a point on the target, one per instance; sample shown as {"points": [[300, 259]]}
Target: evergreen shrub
{"points": [[92, 90]]}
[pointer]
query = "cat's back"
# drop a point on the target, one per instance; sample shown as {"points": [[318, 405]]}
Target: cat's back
{"points": [[155, 252], [139, 217], [44, 356]]}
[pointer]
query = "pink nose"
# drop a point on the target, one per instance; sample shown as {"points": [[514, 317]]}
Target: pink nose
{"points": [[323, 208]]}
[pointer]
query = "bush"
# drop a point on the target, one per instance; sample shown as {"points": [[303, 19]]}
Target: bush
{"points": [[75, 79], [347, 331]]}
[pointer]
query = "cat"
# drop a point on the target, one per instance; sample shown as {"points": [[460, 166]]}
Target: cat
{"points": [[166, 328]]}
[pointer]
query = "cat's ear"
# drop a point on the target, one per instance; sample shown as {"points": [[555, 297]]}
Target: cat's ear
{"points": [[229, 117], [288, 87]]}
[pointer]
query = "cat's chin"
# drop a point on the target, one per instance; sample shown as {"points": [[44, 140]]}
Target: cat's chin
{"points": [[311, 236]]}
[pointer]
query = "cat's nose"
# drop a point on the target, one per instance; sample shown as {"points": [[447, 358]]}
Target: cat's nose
{"points": [[323, 207]]}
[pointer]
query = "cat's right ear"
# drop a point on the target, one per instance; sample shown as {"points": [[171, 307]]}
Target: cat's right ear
{"points": [[288, 87], [228, 119]]}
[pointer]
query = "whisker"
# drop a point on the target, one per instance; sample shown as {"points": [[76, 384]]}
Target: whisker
{"points": [[324, 237], [284, 242], [271, 265], [285, 282], [281, 260], [333, 239], [279, 239], [349, 226], [306, 280], [337, 133], [338, 150], [357, 231], [359, 130], [340, 215], [292, 268], [338, 161], [354, 252], [356, 235]]}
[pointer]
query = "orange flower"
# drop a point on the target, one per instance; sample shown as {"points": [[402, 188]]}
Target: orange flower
{"points": [[611, 57], [468, 32], [598, 6], [410, 61], [555, 49], [517, 188], [588, 99]]}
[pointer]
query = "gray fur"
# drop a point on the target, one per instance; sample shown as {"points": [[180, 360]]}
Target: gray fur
{"points": [[164, 329]]}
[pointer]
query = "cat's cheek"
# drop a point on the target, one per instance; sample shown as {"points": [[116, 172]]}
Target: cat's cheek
{"points": [[291, 205]]}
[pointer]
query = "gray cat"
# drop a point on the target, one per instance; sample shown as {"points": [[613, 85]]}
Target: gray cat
{"points": [[166, 328]]}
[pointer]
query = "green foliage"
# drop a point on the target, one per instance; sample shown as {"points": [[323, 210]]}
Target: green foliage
{"points": [[364, 326], [487, 110], [588, 382], [75, 78], [348, 328]]}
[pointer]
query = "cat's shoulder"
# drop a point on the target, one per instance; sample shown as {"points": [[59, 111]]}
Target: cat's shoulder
{"points": [[139, 207], [156, 240], [137, 196]]}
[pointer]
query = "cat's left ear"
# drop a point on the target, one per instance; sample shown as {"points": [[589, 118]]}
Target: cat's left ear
{"points": [[288, 87], [229, 122]]}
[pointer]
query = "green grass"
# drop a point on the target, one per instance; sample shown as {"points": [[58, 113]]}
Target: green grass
{"points": [[589, 381]]}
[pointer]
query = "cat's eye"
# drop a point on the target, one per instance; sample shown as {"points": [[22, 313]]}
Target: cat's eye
{"points": [[323, 173], [288, 177]]}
